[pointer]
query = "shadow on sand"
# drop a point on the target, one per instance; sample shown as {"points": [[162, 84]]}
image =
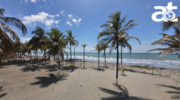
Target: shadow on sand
{"points": [[70, 68], [176, 92], [34, 67], [98, 69], [46, 81], [3, 94], [123, 94]]}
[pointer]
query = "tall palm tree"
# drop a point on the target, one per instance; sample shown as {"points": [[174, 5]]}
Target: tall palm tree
{"points": [[56, 44], [123, 40], [99, 49], [7, 42], [71, 40], [104, 47], [84, 46], [38, 40], [114, 27]]}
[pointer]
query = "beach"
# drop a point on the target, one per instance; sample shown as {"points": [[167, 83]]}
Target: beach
{"points": [[25, 82]]}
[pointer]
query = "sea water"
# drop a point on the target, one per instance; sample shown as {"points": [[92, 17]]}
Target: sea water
{"points": [[151, 59]]}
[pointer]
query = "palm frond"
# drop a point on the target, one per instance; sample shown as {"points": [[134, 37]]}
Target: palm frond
{"points": [[15, 22]]}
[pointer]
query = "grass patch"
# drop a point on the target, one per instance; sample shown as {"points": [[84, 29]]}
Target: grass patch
{"points": [[142, 67]]}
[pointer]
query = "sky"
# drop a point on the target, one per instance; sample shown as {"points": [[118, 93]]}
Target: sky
{"points": [[84, 18]]}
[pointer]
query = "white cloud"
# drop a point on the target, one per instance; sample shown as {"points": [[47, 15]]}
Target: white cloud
{"points": [[69, 23], [33, 1], [35, 24], [25, 39], [57, 21], [52, 16], [62, 12], [43, 0], [21, 1], [77, 22], [57, 15], [70, 16], [49, 22], [41, 17]]}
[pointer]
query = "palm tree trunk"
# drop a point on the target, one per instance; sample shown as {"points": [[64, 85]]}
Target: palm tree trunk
{"points": [[74, 52], [121, 56], [105, 56], [59, 62], [117, 62], [70, 52], [84, 58], [98, 60]]}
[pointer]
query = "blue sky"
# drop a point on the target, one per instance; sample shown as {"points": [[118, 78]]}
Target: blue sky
{"points": [[84, 18]]}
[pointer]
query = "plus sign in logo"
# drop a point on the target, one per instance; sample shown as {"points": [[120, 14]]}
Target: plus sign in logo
{"points": [[167, 13]]}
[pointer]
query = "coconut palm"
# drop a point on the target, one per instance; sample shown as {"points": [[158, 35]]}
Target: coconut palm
{"points": [[84, 46], [114, 27], [7, 34], [104, 47], [56, 44], [99, 49], [173, 43], [123, 41], [38, 40], [71, 40]]}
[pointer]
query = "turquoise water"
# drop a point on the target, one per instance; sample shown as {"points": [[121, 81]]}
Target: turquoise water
{"points": [[152, 59]]}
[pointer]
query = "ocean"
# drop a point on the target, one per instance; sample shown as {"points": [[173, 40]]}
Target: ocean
{"points": [[151, 59]]}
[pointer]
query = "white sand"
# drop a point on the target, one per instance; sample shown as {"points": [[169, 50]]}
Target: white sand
{"points": [[83, 84]]}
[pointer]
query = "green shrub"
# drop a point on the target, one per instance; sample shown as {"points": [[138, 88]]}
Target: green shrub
{"points": [[122, 70]]}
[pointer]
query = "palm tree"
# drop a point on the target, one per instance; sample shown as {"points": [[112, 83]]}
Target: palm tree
{"points": [[104, 47], [114, 27], [84, 45], [38, 40], [123, 40], [7, 42], [56, 44], [99, 49], [71, 40], [173, 43]]}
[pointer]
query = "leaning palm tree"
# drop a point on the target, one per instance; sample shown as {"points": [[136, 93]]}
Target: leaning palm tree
{"points": [[7, 40], [114, 27], [99, 49], [173, 43], [84, 46], [71, 40], [104, 47], [123, 40], [56, 44]]}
